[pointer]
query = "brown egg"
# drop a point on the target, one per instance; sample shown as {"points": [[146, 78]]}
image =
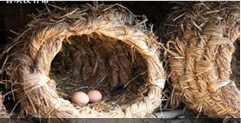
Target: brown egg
{"points": [[94, 95], [80, 98]]}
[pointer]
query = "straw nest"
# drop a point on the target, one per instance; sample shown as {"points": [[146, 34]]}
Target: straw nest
{"points": [[199, 53], [103, 47]]}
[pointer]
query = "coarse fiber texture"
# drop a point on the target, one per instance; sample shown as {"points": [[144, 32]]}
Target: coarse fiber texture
{"points": [[199, 52], [3, 112], [235, 64], [103, 47]]}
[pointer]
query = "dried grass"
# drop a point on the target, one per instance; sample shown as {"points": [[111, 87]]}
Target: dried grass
{"points": [[199, 52], [235, 64], [3, 112]]}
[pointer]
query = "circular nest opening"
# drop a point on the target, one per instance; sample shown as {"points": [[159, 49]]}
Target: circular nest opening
{"points": [[114, 68]]}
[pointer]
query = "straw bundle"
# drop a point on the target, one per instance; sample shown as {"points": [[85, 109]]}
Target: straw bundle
{"points": [[199, 52], [103, 47]]}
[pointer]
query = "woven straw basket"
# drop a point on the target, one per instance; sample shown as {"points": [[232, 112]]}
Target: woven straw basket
{"points": [[199, 53], [103, 47]]}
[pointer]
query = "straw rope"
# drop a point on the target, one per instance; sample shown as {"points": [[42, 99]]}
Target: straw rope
{"points": [[200, 54]]}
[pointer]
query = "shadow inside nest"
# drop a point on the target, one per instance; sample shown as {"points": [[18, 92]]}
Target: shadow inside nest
{"points": [[113, 68]]}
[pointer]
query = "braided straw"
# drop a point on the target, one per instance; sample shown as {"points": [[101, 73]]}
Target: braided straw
{"points": [[30, 57], [200, 52]]}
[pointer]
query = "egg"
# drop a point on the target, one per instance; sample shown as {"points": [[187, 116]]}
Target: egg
{"points": [[80, 98], [94, 96]]}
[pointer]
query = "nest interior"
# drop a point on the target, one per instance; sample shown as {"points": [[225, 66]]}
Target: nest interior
{"points": [[102, 63]]}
